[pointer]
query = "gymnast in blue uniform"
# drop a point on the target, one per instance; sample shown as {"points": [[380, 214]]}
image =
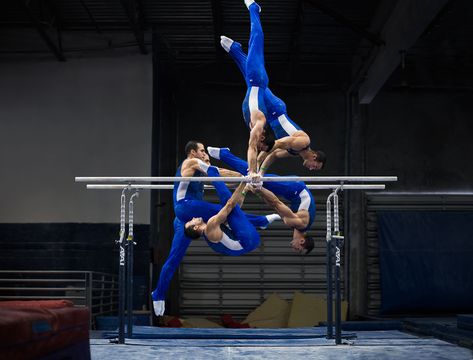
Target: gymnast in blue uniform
{"points": [[239, 237], [299, 215], [261, 107], [180, 243], [188, 204], [188, 195], [234, 239]]}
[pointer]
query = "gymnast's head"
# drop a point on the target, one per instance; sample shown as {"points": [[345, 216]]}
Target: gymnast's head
{"points": [[206, 159], [194, 228], [302, 243], [195, 150], [313, 159], [267, 139]]}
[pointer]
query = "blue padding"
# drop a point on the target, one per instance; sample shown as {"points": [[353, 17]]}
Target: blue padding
{"points": [[369, 325], [321, 341], [465, 322], [440, 328], [426, 261], [40, 326], [150, 332]]}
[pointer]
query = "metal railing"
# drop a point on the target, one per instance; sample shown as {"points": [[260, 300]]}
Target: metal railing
{"points": [[95, 290]]}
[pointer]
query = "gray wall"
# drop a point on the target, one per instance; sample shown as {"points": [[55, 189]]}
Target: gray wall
{"points": [[86, 117]]}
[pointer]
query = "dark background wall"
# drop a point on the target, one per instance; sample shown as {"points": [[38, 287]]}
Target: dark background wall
{"points": [[424, 137], [421, 136], [212, 113]]}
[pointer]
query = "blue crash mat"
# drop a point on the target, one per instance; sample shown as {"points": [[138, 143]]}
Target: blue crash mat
{"points": [[151, 332]]}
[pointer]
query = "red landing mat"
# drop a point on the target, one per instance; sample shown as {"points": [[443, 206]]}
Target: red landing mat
{"points": [[35, 329]]}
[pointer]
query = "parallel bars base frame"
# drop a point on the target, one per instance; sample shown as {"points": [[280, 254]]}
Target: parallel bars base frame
{"points": [[129, 183]]}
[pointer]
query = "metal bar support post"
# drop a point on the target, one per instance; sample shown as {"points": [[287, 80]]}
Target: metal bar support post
{"points": [[121, 270], [129, 264], [334, 238], [329, 267], [338, 240]]}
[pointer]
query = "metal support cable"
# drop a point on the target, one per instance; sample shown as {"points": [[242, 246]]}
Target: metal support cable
{"points": [[130, 215], [122, 216]]}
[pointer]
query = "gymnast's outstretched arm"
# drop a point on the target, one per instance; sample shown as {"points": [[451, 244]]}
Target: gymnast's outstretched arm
{"points": [[190, 166], [287, 215], [258, 120], [226, 172], [213, 230], [296, 141], [272, 156]]}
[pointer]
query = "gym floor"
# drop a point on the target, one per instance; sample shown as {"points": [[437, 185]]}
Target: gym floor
{"points": [[379, 345]]}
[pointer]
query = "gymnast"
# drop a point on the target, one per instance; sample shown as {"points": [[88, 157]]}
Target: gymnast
{"points": [[261, 107], [188, 195], [189, 204], [301, 213], [239, 237]]}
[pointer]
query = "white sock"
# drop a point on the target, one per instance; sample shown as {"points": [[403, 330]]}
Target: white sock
{"points": [[215, 151], [273, 217], [226, 43], [159, 306], [249, 2]]}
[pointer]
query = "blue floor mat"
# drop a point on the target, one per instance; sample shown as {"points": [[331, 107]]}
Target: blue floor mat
{"points": [[150, 332], [369, 325], [370, 345]]}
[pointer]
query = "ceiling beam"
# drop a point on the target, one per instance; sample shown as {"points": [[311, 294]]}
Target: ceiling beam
{"points": [[42, 32], [130, 9], [218, 27], [408, 20], [375, 39]]}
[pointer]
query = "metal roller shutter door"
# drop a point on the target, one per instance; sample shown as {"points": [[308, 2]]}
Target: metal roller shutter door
{"points": [[212, 284]]}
